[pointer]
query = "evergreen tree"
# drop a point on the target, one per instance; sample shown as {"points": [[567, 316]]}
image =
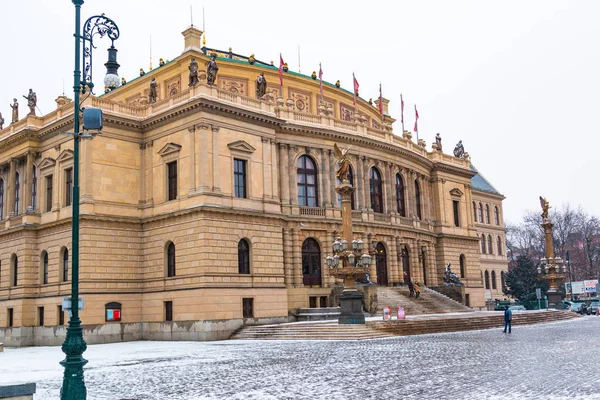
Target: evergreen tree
{"points": [[522, 280]]}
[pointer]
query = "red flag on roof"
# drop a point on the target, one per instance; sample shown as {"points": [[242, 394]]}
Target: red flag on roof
{"points": [[321, 80], [281, 70], [380, 101], [416, 119], [355, 88]]}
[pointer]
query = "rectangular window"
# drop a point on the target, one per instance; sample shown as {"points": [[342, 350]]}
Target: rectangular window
{"points": [[248, 308], [168, 311], [312, 302], [323, 301], [239, 176], [61, 315], [40, 316], [456, 215], [172, 180], [48, 193], [68, 186], [113, 312], [10, 317]]}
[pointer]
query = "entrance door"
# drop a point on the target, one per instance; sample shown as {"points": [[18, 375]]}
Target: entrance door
{"points": [[405, 265], [381, 264]]}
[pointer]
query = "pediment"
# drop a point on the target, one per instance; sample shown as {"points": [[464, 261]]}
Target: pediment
{"points": [[65, 155], [47, 163], [456, 192], [242, 146], [169, 148]]}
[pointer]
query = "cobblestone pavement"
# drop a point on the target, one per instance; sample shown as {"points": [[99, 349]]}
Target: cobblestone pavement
{"points": [[551, 361]]}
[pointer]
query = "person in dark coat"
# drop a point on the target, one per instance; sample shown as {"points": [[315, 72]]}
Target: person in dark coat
{"points": [[417, 290], [411, 289], [507, 319]]}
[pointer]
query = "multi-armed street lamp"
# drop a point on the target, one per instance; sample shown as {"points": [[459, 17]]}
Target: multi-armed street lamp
{"points": [[73, 387]]}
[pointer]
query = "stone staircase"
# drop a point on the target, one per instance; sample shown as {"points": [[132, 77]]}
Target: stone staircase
{"points": [[429, 302], [471, 321], [310, 331]]}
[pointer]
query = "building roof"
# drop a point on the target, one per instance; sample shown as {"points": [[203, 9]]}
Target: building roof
{"points": [[478, 182]]}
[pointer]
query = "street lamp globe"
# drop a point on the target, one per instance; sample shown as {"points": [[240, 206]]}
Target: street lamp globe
{"points": [[111, 79]]}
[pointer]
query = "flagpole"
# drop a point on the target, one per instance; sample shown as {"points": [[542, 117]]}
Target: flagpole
{"points": [[402, 112], [381, 104], [417, 123], [354, 91]]}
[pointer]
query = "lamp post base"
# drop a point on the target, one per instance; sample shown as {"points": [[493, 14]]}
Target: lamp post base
{"points": [[554, 299], [351, 305]]}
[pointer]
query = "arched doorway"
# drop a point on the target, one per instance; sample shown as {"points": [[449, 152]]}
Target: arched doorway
{"points": [[311, 263], [381, 264], [405, 264]]}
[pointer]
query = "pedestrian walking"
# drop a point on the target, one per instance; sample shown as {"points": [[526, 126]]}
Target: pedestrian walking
{"points": [[417, 290], [507, 319], [411, 289]]}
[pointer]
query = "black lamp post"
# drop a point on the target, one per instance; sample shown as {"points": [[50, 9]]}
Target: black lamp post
{"points": [[570, 275], [73, 387]]}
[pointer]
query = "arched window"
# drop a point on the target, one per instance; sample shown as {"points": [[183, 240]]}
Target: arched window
{"points": [[350, 178], [44, 267], [170, 260], [376, 198], [487, 214], [474, 212], [490, 249], [1, 198], [463, 266], [482, 243], [418, 199], [65, 265], [307, 182], [400, 204], [499, 245], [243, 257], [481, 213], [15, 269], [17, 187], [311, 263], [502, 281], [494, 280], [487, 279], [496, 215]]}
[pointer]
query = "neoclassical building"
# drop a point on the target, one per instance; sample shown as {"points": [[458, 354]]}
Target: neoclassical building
{"points": [[209, 208]]}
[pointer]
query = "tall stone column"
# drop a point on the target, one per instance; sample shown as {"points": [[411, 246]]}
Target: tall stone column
{"points": [[149, 172], [292, 175], [469, 200], [284, 176], [367, 184], [389, 188], [12, 173], [327, 244], [394, 209], [57, 181], [359, 182], [142, 176], [394, 279], [332, 180], [410, 201], [325, 199], [297, 261], [425, 194], [288, 257], [216, 162], [274, 171], [204, 185], [415, 267], [28, 182], [266, 162], [192, 156]]}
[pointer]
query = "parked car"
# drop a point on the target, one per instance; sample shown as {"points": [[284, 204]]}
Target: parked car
{"points": [[575, 307], [517, 308]]}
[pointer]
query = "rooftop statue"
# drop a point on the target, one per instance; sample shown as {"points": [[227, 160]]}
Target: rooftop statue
{"points": [[15, 111], [31, 101], [152, 94], [450, 278], [261, 85], [438, 142], [193, 67], [1, 122], [545, 206], [212, 70], [459, 150], [343, 162]]}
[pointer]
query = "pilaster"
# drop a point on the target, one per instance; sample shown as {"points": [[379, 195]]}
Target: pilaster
{"points": [[215, 160], [283, 167], [297, 261], [192, 157], [266, 171]]}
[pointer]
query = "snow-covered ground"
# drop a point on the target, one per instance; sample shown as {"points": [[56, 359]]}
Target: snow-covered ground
{"points": [[550, 361]]}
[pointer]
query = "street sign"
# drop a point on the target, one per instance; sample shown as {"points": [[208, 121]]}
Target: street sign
{"points": [[66, 303], [538, 293]]}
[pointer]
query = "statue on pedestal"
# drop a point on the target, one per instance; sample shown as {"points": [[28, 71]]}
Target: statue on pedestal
{"points": [[261, 85], [545, 206], [152, 94], [15, 111], [211, 70], [31, 101], [193, 67], [343, 162], [450, 278], [459, 150], [438, 142]]}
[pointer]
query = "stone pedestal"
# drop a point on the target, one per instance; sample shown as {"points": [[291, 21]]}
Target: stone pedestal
{"points": [[351, 307], [554, 299]]}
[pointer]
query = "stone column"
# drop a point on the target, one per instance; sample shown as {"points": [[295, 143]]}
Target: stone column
{"points": [[332, 179], [202, 159], [283, 167], [149, 172], [359, 182], [297, 260], [266, 162], [274, 171], [327, 244], [394, 209], [410, 201], [394, 260], [288, 257], [398, 255], [28, 181], [325, 179], [215, 161], [367, 185], [415, 269], [11, 187], [143, 166], [389, 188], [469, 200], [192, 156], [57, 181], [292, 175]]}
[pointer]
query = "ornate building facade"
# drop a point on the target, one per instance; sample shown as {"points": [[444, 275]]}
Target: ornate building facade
{"points": [[207, 207]]}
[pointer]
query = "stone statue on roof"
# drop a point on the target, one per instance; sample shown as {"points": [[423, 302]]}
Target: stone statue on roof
{"points": [[261, 85], [459, 150], [31, 101], [193, 67], [438, 142], [212, 69], [15, 111], [152, 95], [1, 122]]}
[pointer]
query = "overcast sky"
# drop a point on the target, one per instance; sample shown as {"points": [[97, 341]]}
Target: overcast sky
{"points": [[517, 81]]}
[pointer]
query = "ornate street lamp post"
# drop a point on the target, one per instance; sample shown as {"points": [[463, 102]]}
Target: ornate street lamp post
{"points": [[73, 387], [551, 268], [568, 261], [348, 263]]}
